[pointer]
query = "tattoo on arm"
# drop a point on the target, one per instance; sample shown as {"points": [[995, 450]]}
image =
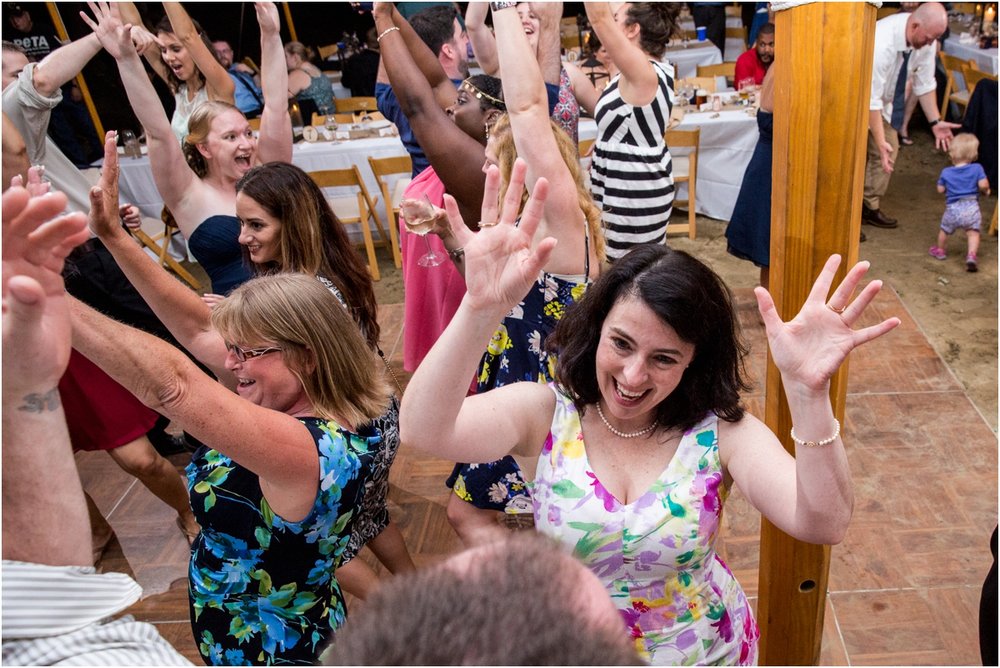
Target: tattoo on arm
{"points": [[39, 403]]}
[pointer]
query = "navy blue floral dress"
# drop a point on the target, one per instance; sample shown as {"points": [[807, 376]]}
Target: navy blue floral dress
{"points": [[261, 589], [515, 353]]}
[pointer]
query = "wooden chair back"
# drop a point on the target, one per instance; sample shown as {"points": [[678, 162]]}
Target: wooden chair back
{"points": [[740, 34], [953, 93], [683, 145], [319, 120], [352, 104], [392, 193], [974, 75], [326, 51], [727, 70], [254, 124], [353, 210], [160, 244]]}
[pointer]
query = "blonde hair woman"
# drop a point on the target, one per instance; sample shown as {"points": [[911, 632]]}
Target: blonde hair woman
{"points": [[221, 148]]}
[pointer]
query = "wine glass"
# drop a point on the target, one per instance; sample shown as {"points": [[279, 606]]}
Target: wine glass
{"points": [[419, 219]]}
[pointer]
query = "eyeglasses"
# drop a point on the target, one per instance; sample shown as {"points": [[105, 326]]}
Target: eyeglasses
{"points": [[244, 354]]}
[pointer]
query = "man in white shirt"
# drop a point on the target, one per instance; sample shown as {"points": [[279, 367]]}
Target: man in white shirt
{"points": [[904, 43]]}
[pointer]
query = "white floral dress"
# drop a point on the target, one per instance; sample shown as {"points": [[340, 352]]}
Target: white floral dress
{"points": [[656, 556]]}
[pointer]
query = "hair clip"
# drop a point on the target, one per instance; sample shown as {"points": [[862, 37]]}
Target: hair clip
{"points": [[470, 88]]}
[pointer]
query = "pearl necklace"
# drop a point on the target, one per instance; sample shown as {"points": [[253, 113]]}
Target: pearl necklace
{"points": [[622, 434]]}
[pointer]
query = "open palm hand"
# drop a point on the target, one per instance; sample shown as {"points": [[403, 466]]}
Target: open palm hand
{"points": [[500, 265], [810, 348]]}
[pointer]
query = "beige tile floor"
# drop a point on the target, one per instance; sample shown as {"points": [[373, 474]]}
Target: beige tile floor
{"points": [[904, 585]]}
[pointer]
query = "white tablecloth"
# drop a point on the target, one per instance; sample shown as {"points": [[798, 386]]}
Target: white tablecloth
{"points": [[986, 59], [724, 148], [137, 185], [734, 46], [687, 59], [338, 88]]}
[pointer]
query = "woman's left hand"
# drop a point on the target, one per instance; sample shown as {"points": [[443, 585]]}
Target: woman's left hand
{"points": [[267, 17], [810, 348]]}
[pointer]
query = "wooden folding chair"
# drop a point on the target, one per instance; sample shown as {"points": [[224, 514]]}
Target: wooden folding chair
{"points": [[708, 83], [740, 34], [160, 244], [685, 170], [352, 210], [974, 75], [326, 51], [392, 194], [952, 92], [354, 104], [727, 70], [254, 124]]}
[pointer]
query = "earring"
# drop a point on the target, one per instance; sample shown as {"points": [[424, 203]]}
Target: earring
{"points": [[486, 129]]}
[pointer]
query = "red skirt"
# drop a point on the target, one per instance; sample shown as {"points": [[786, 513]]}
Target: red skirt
{"points": [[101, 414]]}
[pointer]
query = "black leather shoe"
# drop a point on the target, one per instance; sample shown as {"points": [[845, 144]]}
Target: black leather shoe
{"points": [[876, 218], [863, 238]]}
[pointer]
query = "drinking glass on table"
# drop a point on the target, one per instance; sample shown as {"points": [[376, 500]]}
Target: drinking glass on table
{"points": [[744, 86], [420, 217]]}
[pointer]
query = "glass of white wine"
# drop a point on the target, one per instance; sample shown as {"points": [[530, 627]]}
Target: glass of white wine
{"points": [[420, 218]]}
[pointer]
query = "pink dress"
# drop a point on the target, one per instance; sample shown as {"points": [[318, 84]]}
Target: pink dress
{"points": [[432, 294]]}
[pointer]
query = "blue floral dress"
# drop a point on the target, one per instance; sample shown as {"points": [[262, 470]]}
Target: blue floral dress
{"points": [[261, 589], [515, 353]]}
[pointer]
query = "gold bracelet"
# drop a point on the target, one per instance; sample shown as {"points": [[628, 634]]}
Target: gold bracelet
{"points": [[814, 444], [385, 32]]}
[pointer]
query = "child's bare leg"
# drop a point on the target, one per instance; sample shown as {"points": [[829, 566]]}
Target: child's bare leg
{"points": [[972, 237], [942, 239]]}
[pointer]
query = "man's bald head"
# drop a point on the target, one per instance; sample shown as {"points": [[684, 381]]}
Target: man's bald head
{"points": [[927, 23]]}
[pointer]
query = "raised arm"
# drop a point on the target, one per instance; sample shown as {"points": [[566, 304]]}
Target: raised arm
{"points": [[217, 80], [177, 184], [484, 44], [501, 266], [426, 61], [275, 123], [15, 154], [150, 49], [810, 496], [638, 81], [43, 524], [527, 108], [163, 378], [63, 64], [181, 310], [454, 154], [549, 49]]}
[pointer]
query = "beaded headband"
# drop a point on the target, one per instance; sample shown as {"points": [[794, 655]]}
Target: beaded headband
{"points": [[470, 88]]}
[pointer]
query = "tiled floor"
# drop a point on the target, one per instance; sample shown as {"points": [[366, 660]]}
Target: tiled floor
{"points": [[904, 585]]}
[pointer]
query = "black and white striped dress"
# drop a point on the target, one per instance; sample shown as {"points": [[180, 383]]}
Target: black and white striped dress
{"points": [[631, 174]]}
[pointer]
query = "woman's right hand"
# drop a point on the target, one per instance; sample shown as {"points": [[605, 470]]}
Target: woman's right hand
{"points": [[113, 36], [500, 264], [212, 300]]}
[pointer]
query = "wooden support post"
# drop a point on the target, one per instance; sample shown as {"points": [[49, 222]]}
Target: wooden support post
{"points": [[60, 27], [287, 6], [824, 61]]}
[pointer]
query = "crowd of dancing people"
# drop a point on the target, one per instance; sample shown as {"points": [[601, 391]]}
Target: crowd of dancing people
{"points": [[585, 378]]}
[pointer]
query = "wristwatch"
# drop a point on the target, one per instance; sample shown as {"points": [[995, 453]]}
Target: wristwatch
{"points": [[934, 122]]}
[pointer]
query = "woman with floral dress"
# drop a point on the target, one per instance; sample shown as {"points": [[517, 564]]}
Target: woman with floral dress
{"points": [[516, 351], [642, 436], [289, 442]]}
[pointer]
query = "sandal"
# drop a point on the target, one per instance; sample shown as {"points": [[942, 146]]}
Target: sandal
{"points": [[905, 140], [190, 536]]}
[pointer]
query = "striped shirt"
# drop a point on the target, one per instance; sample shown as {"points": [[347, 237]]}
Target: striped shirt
{"points": [[631, 175], [59, 615]]}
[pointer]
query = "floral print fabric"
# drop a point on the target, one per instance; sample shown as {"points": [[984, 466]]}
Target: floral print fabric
{"points": [[656, 555], [515, 353], [261, 589]]}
